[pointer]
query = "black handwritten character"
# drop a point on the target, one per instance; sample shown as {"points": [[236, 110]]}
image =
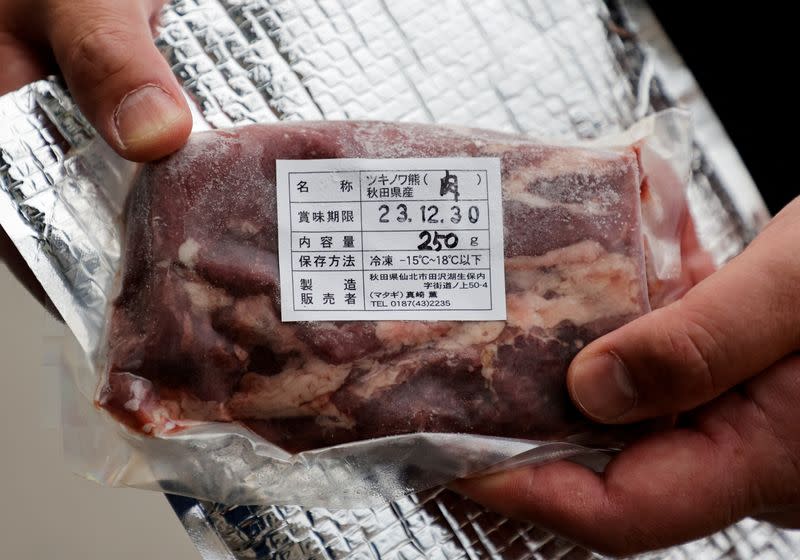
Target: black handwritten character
{"points": [[449, 185]]}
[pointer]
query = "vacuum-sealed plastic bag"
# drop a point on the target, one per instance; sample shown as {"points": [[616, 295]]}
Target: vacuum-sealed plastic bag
{"points": [[338, 312], [196, 333]]}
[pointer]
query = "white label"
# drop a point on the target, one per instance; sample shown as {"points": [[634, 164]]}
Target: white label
{"points": [[391, 239]]}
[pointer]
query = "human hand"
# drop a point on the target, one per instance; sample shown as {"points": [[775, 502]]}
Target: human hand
{"points": [[725, 358], [121, 82], [105, 51]]}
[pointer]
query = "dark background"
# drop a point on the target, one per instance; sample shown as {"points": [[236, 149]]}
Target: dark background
{"points": [[744, 55]]}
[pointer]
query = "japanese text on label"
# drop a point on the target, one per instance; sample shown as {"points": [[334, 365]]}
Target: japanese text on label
{"points": [[396, 239]]}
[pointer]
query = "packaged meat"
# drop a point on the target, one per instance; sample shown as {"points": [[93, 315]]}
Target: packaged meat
{"points": [[206, 364], [196, 333]]}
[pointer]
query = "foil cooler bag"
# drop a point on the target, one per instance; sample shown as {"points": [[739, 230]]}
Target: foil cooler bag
{"points": [[193, 371]]}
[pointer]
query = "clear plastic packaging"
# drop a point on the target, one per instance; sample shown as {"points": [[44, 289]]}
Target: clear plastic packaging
{"points": [[205, 392]]}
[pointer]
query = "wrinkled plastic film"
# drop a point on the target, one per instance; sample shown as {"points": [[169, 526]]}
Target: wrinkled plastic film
{"points": [[664, 143], [151, 463], [227, 463]]}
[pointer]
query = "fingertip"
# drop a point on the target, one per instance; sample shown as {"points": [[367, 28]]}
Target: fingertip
{"points": [[484, 489], [601, 387], [20, 66], [118, 77], [654, 366], [150, 122], [550, 495]]}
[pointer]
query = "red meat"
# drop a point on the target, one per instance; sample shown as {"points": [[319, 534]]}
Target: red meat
{"points": [[196, 333]]}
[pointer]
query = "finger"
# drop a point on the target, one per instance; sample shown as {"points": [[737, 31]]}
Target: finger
{"points": [[118, 77], [785, 520], [155, 13], [670, 488], [646, 500], [736, 322], [20, 65], [697, 262]]}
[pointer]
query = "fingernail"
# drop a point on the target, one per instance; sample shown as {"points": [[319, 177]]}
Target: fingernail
{"points": [[486, 484], [602, 387], [144, 114]]}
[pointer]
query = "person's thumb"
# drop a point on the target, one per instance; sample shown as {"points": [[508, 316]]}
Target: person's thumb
{"points": [[731, 326], [119, 79]]}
